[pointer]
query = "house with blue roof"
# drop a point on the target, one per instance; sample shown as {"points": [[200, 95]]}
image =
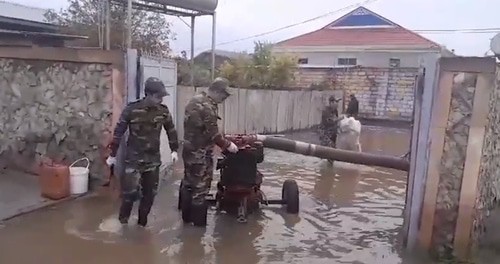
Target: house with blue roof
{"points": [[360, 38]]}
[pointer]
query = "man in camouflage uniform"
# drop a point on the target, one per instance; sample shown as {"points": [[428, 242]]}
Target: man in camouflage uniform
{"points": [[201, 134], [328, 125], [144, 119]]}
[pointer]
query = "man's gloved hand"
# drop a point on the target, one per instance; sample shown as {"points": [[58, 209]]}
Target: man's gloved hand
{"points": [[232, 148], [111, 161], [175, 157]]}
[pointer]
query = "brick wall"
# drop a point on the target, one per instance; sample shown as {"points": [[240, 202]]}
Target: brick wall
{"points": [[383, 93]]}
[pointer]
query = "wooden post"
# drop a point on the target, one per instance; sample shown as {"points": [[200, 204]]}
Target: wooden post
{"points": [[469, 191]]}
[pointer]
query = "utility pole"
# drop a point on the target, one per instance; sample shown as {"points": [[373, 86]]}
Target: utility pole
{"points": [[192, 50], [129, 24], [108, 33], [213, 46]]}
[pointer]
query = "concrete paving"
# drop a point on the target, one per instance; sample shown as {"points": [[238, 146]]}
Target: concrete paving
{"points": [[20, 193]]}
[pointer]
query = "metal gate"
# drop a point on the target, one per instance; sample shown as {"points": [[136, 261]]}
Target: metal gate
{"points": [[417, 112], [165, 70], [139, 68]]}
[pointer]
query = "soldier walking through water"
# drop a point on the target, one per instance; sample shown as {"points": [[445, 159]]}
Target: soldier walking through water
{"points": [[144, 119], [201, 133], [328, 125]]}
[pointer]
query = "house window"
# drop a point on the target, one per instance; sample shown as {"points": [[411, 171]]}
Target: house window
{"points": [[303, 61], [347, 61], [394, 63]]}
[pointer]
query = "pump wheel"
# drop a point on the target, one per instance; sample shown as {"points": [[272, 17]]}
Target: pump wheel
{"points": [[290, 195]]}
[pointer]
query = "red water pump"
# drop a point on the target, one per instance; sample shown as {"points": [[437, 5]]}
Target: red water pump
{"points": [[238, 191]]}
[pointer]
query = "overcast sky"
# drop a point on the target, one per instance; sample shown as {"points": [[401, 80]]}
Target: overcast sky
{"points": [[243, 18]]}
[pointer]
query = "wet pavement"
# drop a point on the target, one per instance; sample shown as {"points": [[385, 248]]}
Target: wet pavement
{"points": [[12, 183], [349, 214]]}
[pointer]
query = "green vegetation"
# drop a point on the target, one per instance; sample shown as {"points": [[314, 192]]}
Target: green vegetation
{"points": [[262, 69], [151, 32]]}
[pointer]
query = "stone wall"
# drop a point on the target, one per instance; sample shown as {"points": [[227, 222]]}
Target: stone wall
{"points": [[56, 110], [383, 93], [489, 176]]}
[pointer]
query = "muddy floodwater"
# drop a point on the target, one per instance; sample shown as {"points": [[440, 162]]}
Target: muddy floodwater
{"points": [[348, 214]]}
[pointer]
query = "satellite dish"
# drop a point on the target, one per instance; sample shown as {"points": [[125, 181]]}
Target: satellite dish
{"points": [[495, 44]]}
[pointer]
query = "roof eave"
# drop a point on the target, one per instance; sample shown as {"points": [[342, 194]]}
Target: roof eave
{"points": [[358, 48], [39, 35], [28, 23]]}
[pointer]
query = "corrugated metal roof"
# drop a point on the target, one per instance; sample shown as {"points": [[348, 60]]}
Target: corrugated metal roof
{"points": [[14, 10], [40, 34]]}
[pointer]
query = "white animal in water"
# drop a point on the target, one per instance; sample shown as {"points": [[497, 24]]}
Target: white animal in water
{"points": [[349, 131]]}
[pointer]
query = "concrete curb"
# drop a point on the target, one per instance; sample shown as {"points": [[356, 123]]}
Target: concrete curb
{"points": [[43, 205]]}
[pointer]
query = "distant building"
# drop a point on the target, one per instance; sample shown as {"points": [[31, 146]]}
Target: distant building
{"points": [[26, 26], [221, 56], [362, 38]]}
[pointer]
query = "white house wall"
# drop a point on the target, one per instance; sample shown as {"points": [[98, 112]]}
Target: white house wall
{"points": [[366, 59]]}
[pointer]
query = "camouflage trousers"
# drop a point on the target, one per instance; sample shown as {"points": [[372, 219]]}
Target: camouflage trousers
{"points": [[139, 183], [328, 137], [198, 175]]}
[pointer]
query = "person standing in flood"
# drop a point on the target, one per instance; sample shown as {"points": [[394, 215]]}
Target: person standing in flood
{"points": [[328, 125], [144, 119], [352, 107], [201, 134]]}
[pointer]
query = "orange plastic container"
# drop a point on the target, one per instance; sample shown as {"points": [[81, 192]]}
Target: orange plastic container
{"points": [[54, 181]]}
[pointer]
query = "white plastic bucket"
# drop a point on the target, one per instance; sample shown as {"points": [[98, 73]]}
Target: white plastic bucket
{"points": [[79, 177]]}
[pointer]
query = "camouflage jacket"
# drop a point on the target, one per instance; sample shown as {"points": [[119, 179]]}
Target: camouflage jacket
{"points": [[329, 117], [144, 122], [200, 124]]}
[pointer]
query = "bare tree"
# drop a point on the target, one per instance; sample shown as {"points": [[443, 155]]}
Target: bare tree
{"points": [[151, 32]]}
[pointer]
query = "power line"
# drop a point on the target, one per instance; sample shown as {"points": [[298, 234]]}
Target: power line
{"points": [[295, 24], [422, 31], [462, 29], [452, 31]]}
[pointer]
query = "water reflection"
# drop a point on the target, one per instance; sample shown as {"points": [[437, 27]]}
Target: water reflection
{"points": [[336, 185], [348, 214], [192, 247], [234, 242]]}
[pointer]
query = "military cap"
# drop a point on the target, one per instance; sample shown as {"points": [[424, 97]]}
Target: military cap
{"points": [[154, 85], [332, 99], [220, 85]]}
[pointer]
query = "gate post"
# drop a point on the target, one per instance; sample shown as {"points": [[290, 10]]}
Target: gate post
{"points": [[461, 183]]}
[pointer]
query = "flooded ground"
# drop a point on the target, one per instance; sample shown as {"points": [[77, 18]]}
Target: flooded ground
{"points": [[349, 214]]}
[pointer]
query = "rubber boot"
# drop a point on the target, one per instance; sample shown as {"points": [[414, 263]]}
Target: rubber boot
{"points": [[199, 214], [143, 219], [125, 210], [144, 209]]}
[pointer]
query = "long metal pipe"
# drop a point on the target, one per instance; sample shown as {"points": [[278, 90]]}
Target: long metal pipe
{"points": [[334, 154], [192, 49]]}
